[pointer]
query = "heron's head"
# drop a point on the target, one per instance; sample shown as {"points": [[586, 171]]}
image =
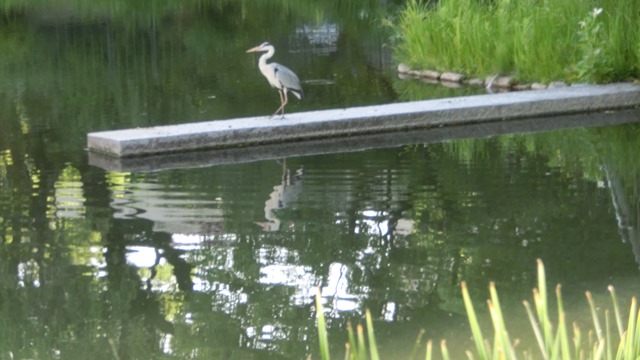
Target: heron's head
{"points": [[265, 46]]}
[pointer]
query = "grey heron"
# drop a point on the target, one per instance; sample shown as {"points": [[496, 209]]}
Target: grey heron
{"points": [[279, 76]]}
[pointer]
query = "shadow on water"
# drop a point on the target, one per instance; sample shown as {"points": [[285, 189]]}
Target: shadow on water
{"points": [[222, 261]]}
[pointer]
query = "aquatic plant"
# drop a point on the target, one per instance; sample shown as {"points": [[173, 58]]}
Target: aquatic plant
{"points": [[357, 347], [554, 339], [532, 40], [592, 64]]}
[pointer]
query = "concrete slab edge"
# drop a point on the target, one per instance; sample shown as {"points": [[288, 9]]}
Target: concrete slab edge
{"points": [[363, 120], [275, 151]]}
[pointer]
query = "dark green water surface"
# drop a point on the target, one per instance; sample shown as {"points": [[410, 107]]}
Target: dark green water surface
{"points": [[224, 262]]}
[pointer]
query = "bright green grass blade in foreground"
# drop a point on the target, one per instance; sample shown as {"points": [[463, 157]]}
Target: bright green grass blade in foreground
{"points": [[417, 344], [594, 316], [373, 346], [599, 352], [562, 328], [536, 330], [553, 345], [473, 323], [607, 327], [322, 327], [353, 345], [542, 309], [499, 324], [444, 350], [616, 310], [636, 337], [429, 353], [621, 347], [362, 352], [577, 339], [629, 349]]}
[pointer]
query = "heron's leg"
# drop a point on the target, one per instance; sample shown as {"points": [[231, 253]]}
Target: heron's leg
{"points": [[286, 100], [283, 102]]}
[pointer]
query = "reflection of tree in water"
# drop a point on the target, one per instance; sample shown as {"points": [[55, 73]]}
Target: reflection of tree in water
{"points": [[134, 304], [51, 299], [351, 245], [134, 311], [611, 151], [625, 195]]}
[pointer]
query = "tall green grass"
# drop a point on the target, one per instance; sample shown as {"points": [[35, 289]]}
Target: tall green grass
{"points": [[556, 340], [534, 40]]}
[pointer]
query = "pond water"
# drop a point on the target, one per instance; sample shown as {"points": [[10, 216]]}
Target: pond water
{"points": [[223, 261]]}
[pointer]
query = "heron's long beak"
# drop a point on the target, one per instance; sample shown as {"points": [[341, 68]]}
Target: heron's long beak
{"points": [[257, 48]]}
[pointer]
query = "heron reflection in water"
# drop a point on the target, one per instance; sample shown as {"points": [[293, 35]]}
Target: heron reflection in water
{"points": [[283, 195]]}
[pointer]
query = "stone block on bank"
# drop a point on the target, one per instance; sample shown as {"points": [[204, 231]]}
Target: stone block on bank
{"points": [[430, 74], [452, 77], [557, 84], [403, 68], [503, 82], [473, 82]]}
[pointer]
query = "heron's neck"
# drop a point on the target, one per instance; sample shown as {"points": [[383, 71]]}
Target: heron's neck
{"points": [[266, 56]]}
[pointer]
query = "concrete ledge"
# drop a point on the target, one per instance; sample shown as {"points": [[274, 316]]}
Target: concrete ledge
{"points": [[363, 120], [359, 142]]}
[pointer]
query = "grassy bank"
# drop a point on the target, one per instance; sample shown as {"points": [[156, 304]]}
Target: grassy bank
{"points": [[534, 40], [610, 338]]}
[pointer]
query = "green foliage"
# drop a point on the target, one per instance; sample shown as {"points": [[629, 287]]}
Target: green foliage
{"points": [[533, 40], [552, 338], [357, 347], [322, 328], [592, 64]]}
